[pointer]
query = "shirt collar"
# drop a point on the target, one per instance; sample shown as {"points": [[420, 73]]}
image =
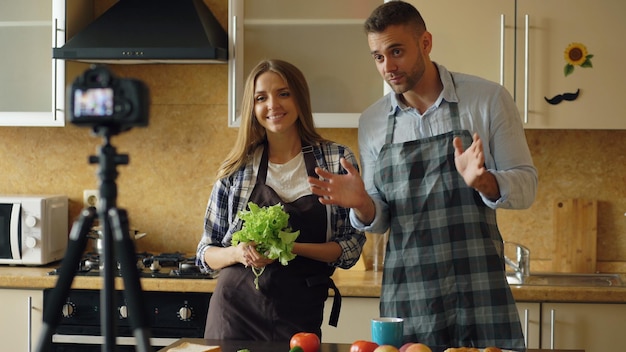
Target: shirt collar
{"points": [[449, 90]]}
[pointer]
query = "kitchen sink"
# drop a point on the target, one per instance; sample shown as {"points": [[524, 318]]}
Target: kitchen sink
{"points": [[566, 279]]}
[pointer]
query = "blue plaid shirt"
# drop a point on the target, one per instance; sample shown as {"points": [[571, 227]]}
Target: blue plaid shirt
{"points": [[230, 195]]}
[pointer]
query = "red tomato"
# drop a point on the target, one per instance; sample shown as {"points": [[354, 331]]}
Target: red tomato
{"points": [[308, 341], [363, 346]]}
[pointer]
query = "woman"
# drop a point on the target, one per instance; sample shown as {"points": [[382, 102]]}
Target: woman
{"points": [[276, 149]]}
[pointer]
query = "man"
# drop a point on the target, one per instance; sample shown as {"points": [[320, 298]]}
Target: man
{"points": [[439, 154]]}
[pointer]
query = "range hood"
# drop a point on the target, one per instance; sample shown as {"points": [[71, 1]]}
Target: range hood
{"points": [[150, 31]]}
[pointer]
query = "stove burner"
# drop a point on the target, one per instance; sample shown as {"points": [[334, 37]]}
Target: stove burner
{"points": [[167, 259], [149, 265]]}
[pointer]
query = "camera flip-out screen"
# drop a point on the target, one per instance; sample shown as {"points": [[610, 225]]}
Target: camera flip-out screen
{"points": [[93, 102]]}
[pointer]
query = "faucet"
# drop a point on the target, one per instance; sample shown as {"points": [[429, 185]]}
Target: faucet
{"points": [[521, 266]]}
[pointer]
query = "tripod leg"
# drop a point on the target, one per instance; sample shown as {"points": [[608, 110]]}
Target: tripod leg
{"points": [[125, 252], [54, 304]]}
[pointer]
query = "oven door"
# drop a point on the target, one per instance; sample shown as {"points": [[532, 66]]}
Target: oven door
{"points": [[171, 315], [10, 232]]}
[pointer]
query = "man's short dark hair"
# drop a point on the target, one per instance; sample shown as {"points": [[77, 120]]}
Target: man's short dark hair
{"points": [[394, 13]]}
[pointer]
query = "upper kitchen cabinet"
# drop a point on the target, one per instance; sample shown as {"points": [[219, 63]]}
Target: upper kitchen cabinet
{"points": [[474, 37], [560, 59], [575, 51], [324, 39], [32, 84]]}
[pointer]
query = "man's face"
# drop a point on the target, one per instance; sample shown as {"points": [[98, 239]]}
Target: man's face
{"points": [[399, 53]]}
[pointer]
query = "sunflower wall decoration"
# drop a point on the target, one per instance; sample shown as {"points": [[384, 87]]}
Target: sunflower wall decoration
{"points": [[576, 54]]}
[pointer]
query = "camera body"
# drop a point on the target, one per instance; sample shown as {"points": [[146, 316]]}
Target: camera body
{"points": [[98, 98]]}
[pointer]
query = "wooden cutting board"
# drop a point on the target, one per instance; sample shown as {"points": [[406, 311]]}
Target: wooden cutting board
{"points": [[575, 232]]}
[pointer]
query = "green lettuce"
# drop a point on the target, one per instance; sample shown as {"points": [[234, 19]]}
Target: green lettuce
{"points": [[269, 228]]}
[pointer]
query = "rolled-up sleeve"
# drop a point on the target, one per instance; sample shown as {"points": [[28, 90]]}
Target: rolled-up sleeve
{"points": [[507, 155], [228, 197], [350, 239], [215, 222]]}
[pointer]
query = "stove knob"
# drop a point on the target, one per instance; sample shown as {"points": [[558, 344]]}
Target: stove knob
{"points": [[68, 310], [185, 313], [123, 312]]}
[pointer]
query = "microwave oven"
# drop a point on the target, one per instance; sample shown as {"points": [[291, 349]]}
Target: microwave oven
{"points": [[33, 229]]}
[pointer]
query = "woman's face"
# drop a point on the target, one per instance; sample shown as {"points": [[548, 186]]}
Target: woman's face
{"points": [[274, 107]]}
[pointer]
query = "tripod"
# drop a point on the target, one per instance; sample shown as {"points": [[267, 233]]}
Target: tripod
{"points": [[116, 245]]}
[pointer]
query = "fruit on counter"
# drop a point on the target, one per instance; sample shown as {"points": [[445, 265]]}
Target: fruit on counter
{"points": [[386, 348], [492, 349], [363, 346], [307, 341], [473, 349], [405, 346], [296, 349], [415, 347]]}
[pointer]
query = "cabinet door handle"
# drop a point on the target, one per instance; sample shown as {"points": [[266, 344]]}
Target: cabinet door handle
{"points": [[55, 67], [501, 49], [526, 66], [233, 78], [54, 84], [526, 327], [552, 327], [30, 324]]}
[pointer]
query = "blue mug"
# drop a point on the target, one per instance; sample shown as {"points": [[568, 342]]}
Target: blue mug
{"points": [[388, 331]]}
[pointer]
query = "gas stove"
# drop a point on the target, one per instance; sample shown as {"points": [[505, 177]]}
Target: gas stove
{"points": [[174, 265], [172, 315]]}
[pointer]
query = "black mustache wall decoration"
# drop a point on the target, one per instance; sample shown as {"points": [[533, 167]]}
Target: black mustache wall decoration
{"points": [[565, 96]]}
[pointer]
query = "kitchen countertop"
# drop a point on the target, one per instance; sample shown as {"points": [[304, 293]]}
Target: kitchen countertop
{"points": [[351, 283], [256, 346]]}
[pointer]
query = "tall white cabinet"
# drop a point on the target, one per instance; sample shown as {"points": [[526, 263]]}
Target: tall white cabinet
{"points": [[522, 44], [32, 83], [324, 39]]}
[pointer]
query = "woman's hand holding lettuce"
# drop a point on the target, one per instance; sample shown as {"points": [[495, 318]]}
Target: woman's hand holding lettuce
{"points": [[268, 228]]}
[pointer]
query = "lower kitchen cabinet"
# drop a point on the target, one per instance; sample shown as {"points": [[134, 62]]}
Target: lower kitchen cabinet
{"points": [[356, 313], [21, 318], [354, 320], [530, 316], [583, 326], [586, 326]]}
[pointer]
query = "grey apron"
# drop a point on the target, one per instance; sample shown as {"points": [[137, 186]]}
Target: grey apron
{"points": [[290, 298], [443, 271]]}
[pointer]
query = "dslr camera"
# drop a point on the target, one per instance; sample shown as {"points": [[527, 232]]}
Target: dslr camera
{"points": [[98, 99]]}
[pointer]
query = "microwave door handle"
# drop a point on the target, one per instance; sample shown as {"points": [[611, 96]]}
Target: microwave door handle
{"points": [[14, 231]]}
